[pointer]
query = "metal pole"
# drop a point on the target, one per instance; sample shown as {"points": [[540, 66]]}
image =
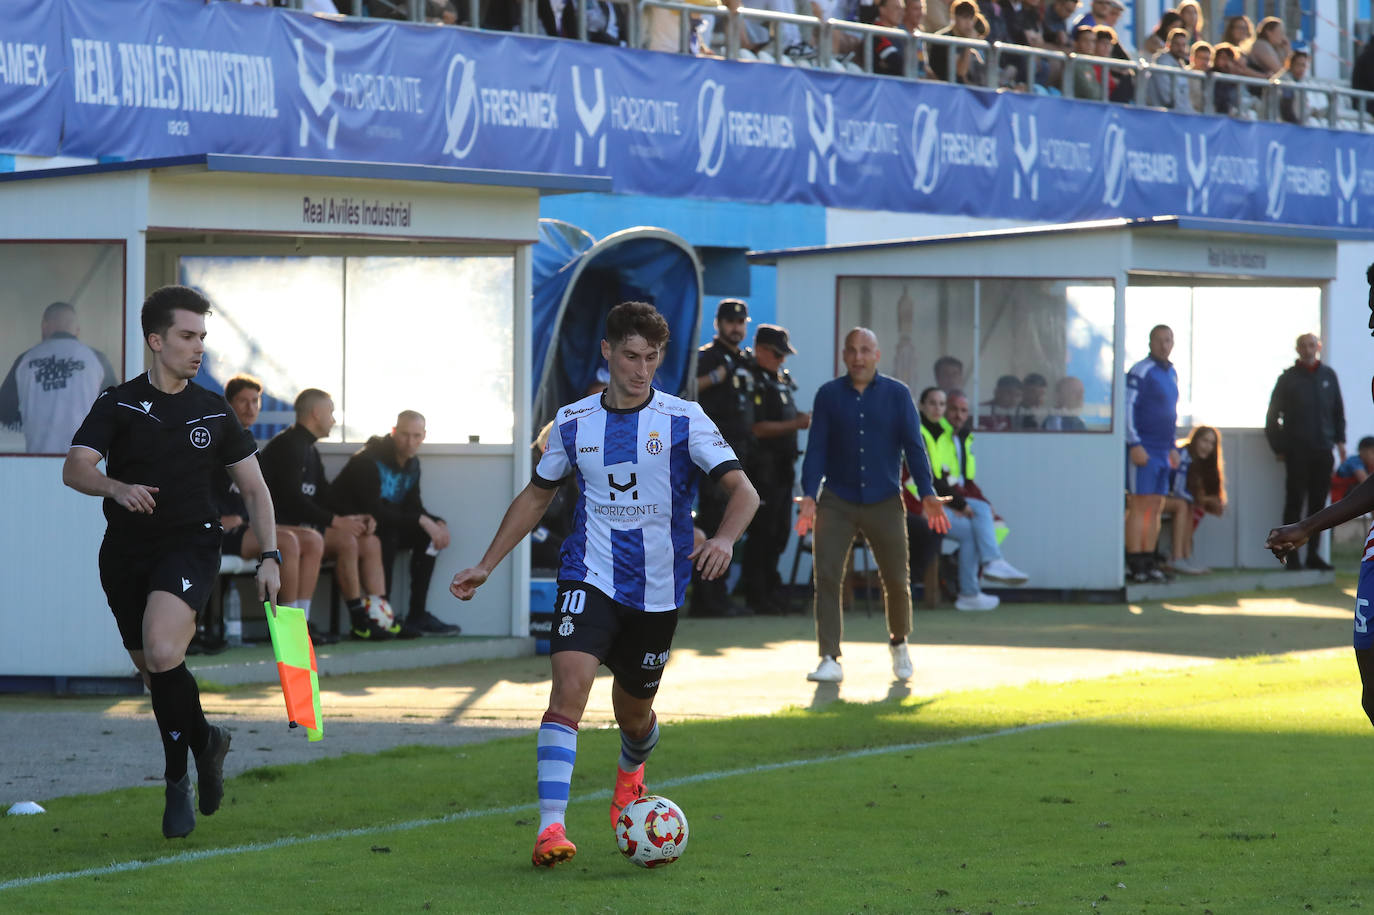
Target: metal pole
{"points": [[732, 34], [475, 13], [582, 19]]}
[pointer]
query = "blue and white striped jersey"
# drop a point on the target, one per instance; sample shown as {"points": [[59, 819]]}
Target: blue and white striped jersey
{"points": [[636, 474]]}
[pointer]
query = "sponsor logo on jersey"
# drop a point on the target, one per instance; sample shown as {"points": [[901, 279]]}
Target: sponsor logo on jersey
{"points": [[653, 445], [589, 449], [147, 405], [622, 487], [569, 413], [200, 437]]}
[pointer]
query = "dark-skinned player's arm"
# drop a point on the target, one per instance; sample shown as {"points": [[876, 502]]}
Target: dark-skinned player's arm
{"points": [[522, 516], [1285, 540]]}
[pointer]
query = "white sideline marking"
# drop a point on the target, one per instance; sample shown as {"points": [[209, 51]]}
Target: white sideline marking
{"points": [[291, 841]]}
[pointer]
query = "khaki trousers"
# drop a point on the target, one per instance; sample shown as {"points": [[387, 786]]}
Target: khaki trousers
{"points": [[883, 525]]}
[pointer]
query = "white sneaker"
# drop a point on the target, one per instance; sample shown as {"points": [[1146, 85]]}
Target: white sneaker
{"points": [[829, 671], [979, 601], [901, 662], [1187, 566], [1003, 571]]}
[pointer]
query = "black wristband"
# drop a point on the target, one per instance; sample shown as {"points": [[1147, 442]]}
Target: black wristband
{"points": [[270, 554]]}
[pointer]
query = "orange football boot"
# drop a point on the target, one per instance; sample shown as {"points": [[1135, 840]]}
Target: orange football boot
{"points": [[552, 846]]}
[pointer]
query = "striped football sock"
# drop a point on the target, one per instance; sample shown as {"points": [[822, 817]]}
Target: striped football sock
{"points": [[557, 751], [635, 750]]}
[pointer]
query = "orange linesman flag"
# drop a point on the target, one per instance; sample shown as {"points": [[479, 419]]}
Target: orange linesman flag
{"points": [[300, 679]]}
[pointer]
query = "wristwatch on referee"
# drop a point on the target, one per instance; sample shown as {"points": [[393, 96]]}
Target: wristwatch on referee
{"points": [[270, 554]]}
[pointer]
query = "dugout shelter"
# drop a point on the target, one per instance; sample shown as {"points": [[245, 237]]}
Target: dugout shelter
{"points": [[390, 286], [1066, 310]]}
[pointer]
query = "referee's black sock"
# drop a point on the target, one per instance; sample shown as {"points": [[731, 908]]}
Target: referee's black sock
{"points": [[180, 721]]}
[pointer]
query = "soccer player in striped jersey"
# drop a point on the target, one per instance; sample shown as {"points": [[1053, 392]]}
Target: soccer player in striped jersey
{"points": [[634, 453]]}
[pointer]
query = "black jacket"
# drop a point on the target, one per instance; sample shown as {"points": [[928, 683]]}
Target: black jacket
{"points": [[1305, 411], [294, 473], [375, 483]]}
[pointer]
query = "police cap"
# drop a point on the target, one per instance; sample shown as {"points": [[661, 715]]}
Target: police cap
{"points": [[732, 310], [771, 335]]}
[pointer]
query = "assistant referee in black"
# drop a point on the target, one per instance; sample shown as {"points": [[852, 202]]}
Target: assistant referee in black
{"points": [[161, 438]]}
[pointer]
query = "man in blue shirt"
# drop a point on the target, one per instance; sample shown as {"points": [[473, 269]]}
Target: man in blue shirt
{"points": [[1151, 418], [862, 424]]}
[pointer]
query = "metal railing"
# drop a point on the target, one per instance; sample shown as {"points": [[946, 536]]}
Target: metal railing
{"points": [[1345, 108]]}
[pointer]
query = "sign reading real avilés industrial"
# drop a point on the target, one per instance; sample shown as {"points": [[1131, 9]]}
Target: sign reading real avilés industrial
{"points": [[151, 78]]}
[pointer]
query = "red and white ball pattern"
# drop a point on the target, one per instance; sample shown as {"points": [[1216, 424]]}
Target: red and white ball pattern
{"points": [[652, 831]]}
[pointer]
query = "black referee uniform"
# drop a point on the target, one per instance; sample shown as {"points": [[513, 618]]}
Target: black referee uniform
{"points": [[177, 443]]}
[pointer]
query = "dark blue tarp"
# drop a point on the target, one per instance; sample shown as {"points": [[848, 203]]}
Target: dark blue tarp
{"points": [[576, 284]]}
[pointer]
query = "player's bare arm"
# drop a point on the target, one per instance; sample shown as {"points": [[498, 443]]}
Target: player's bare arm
{"points": [[1287, 539], [81, 472], [524, 513], [247, 475], [713, 556]]}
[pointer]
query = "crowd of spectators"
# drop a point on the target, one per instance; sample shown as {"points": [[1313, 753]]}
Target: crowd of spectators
{"points": [[1176, 44]]}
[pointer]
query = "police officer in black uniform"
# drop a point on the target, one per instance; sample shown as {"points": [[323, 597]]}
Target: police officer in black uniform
{"points": [[772, 468], [725, 390], [162, 438]]}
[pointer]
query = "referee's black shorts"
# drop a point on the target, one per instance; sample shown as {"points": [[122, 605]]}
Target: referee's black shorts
{"points": [[184, 563]]}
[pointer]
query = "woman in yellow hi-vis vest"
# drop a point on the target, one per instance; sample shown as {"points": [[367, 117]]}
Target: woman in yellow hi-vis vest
{"points": [[971, 522]]}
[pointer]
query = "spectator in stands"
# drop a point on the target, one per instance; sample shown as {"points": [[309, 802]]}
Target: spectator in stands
{"points": [[300, 491], [1151, 418], [1362, 73], [1025, 26], [1226, 94], [970, 516], [1267, 52], [1240, 33], [1166, 88], [790, 41], [1158, 40], [936, 15], [970, 66], [888, 55], [382, 480], [999, 414], [912, 16], [309, 6], [1068, 404], [1086, 84], [1055, 28], [1354, 470], [1031, 413], [844, 44], [442, 12], [301, 547], [51, 386], [1200, 61], [949, 373], [1293, 103], [1191, 14], [1199, 489]]}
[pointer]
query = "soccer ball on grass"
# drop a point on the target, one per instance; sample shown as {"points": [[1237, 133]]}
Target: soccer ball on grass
{"points": [[651, 831]]}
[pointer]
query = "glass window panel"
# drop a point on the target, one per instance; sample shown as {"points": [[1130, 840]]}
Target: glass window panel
{"points": [[278, 318], [1261, 322], [1045, 360], [61, 339], [432, 334], [919, 322]]}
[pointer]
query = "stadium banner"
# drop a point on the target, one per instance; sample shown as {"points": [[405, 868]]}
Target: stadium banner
{"points": [[168, 77], [33, 77]]}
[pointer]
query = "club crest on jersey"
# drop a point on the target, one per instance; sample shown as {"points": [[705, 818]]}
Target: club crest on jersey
{"points": [[565, 628], [200, 437], [653, 445]]}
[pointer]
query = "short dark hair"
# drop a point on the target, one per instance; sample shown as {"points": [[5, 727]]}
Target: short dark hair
{"points": [[306, 400], [927, 392], [158, 307], [947, 360], [629, 319], [964, 8], [1035, 378], [240, 382], [1366, 442]]}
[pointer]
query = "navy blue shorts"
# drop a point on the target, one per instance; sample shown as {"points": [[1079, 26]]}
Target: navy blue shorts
{"points": [[633, 643], [1150, 480]]}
